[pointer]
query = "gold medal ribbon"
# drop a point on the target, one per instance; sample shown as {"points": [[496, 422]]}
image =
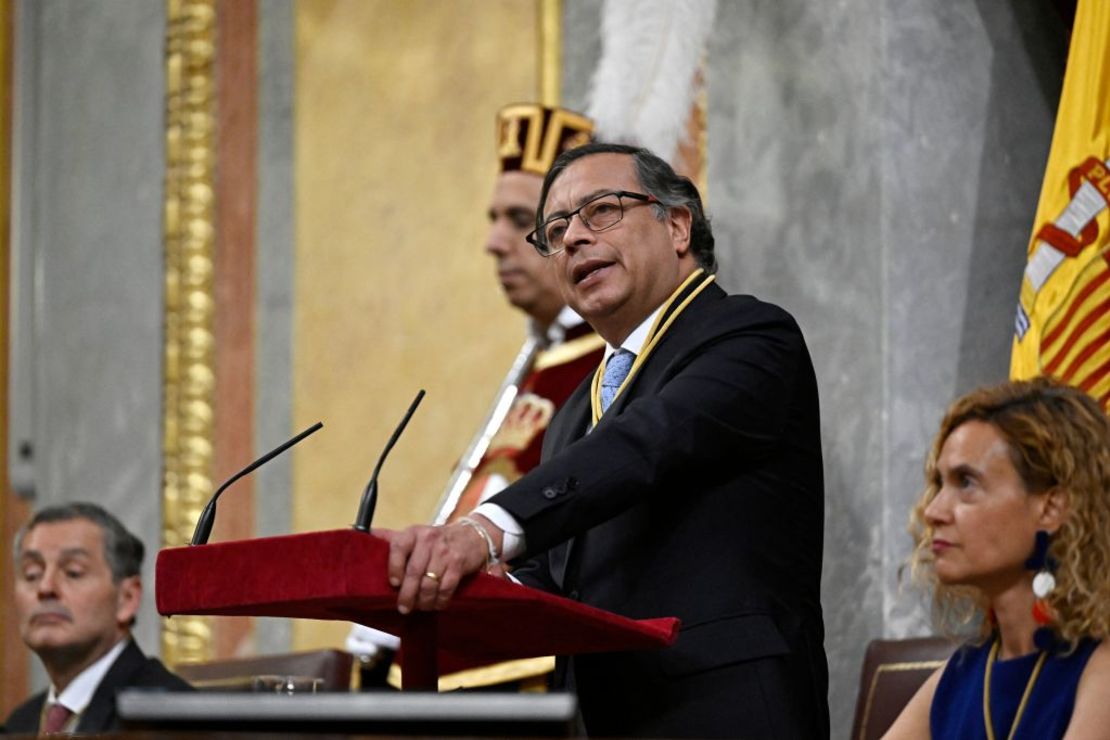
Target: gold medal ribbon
{"points": [[659, 327], [987, 720]]}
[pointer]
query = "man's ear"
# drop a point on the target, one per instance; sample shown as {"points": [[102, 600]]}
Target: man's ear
{"points": [[679, 220], [128, 599], [1054, 510]]}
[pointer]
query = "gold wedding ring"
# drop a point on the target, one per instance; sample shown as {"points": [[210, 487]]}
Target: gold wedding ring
{"points": [[432, 575]]}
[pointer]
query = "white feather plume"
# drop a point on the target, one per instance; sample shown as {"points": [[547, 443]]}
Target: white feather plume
{"points": [[643, 88]]}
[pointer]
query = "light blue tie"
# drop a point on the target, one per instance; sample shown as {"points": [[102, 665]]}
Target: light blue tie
{"points": [[616, 370]]}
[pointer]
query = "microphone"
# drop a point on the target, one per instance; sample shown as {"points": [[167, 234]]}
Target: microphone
{"points": [[208, 515], [370, 495]]}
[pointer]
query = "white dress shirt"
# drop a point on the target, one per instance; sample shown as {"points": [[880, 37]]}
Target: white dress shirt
{"points": [[79, 693]]}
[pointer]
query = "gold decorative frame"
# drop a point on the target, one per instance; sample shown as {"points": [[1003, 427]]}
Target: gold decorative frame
{"points": [[189, 248], [188, 240], [550, 48]]}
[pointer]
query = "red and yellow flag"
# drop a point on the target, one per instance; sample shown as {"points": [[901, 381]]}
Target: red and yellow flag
{"points": [[1062, 327]]}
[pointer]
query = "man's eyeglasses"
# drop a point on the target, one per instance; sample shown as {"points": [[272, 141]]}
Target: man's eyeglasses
{"points": [[598, 214]]}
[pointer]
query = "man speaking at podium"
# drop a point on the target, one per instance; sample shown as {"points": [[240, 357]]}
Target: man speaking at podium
{"points": [[684, 479]]}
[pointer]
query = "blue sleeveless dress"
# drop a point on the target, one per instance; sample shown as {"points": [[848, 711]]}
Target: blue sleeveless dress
{"points": [[957, 710]]}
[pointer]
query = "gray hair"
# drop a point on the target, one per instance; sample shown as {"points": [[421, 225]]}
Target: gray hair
{"points": [[659, 180], [123, 550]]}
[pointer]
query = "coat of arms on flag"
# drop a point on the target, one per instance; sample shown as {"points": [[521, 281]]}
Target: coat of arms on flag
{"points": [[1062, 328]]}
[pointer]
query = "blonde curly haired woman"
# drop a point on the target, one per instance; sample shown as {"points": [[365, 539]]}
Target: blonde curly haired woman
{"points": [[1012, 533]]}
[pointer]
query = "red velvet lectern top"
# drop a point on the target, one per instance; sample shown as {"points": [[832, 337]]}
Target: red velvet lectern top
{"points": [[341, 575]]}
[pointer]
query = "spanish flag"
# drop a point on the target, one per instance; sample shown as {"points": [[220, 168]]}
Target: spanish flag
{"points": [[1062, 327]]}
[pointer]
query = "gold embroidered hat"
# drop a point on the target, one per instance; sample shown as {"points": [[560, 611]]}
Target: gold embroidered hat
{"points": [[530, 136]]}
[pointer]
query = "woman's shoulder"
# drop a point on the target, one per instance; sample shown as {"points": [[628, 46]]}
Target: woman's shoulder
{"points": [[1097, 669], [1091, 716]]}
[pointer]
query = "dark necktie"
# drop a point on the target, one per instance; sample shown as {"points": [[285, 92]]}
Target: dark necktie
{"points": [[56, 718], [616, 370]]}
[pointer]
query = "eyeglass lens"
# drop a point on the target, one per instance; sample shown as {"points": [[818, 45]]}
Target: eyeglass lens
{"points": [[598, 214]]}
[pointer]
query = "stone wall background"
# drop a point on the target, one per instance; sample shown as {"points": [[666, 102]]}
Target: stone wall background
{"points": [[87, 237]]}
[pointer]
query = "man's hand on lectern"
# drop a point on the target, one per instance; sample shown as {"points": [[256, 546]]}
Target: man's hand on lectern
{"points": [[427, 563]]}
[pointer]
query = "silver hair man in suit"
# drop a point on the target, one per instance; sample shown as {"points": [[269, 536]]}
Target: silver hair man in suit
{"points": [[77, 591]]}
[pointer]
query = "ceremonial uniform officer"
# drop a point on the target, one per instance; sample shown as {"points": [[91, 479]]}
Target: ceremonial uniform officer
{"points": [[564, 347]]}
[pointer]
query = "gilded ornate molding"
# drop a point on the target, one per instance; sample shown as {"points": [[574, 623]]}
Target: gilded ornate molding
{"points": [[188, 240], [550, 52]]}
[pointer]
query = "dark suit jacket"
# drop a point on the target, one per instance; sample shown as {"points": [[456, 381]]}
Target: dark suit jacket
{"points": [[132, 669], [698, 495]]}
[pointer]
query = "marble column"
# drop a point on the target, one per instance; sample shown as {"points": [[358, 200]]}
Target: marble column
{"points": [[87, 195]]}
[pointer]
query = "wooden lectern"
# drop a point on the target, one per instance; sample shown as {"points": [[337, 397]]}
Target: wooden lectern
{"points": [[341, 575]]}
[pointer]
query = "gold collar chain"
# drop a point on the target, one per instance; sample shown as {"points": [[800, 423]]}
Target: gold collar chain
{"points": [[1024, 697], [654, 335]]}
